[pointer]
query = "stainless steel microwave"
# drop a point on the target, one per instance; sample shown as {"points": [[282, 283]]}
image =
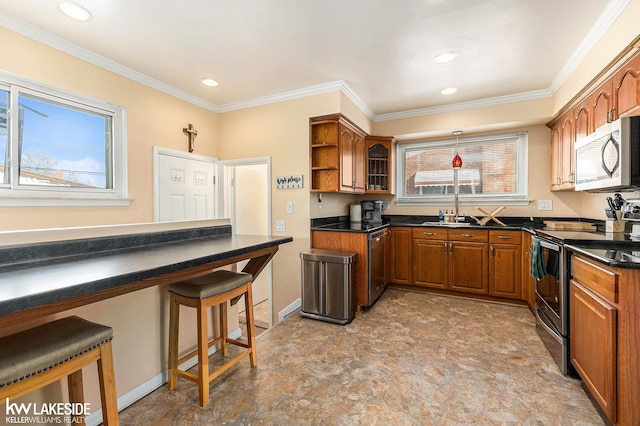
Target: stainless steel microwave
{"points": [[609, 158]]}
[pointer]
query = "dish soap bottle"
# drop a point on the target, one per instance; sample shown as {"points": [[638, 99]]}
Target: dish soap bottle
{"points": [[440, 216]]}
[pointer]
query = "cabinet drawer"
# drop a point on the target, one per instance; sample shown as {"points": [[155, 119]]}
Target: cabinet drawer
{"points": [[477, 235], [596, 278], [430, 233], [505, 237]]}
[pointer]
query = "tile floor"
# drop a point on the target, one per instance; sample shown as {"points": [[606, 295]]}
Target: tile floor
{"points": [[412, 359]]}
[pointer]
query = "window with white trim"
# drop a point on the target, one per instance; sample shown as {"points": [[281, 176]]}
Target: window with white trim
{"points": [[58, 148], [494, 170]]}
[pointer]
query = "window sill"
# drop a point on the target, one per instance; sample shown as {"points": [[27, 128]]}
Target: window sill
{"points": [[463, 202], [63, 202]]}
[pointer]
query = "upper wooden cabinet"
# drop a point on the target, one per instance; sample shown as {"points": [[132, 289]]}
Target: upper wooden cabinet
{"points": [[626, 86], [337, 152], [601, 103], [563, 138], [609, 99], [380, 175], [352, 152]]}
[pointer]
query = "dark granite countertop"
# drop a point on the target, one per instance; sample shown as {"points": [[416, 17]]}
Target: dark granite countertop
{"points": [[341, 223], [617, 255], [103, 264]]}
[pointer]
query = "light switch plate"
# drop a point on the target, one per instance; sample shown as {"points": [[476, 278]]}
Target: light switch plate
{"points": [[280, 226], [290, 207], [545, 205]]}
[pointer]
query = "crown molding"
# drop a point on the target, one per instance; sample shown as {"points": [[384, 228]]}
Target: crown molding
{"points": [[349, 93], [318, 89], [600, 27], [44, 37], [481, 103]]}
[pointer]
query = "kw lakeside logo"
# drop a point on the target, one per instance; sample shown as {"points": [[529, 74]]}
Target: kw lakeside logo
{"points": [[46, 413]]}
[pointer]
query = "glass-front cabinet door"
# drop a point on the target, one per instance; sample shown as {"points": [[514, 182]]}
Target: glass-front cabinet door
{"points": [[380, 176]]}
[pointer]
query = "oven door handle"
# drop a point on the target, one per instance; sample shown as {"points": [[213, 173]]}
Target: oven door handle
{"points": [[548, 328], [550, 246]]}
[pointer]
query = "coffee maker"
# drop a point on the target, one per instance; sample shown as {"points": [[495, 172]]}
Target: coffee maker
{"points": [[371, 212]]}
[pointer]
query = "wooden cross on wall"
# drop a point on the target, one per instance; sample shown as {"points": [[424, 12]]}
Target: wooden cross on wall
{"points": [[192, 132]]}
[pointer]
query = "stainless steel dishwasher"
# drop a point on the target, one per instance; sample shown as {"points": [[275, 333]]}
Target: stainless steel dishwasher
{"points": [[376, 269]]}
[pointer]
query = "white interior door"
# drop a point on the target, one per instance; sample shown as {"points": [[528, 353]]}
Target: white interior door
{"points": [[184, 186]]}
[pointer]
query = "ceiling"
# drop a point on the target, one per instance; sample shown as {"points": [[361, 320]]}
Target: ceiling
{"points": [[378, 51]]}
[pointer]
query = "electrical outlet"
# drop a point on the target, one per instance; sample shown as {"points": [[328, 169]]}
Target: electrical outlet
{"points": [[545, 205], [280, 226], [290, 207]]}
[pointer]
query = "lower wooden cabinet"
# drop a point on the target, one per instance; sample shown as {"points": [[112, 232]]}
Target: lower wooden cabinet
{"points": [[505, 264], [365, 268], [605, 335], [468, 266], [401, 243], [593, 345], [464, 260], [430, 263]]}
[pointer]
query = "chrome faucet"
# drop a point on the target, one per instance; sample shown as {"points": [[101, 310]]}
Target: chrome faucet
{"points": [[455, 206]]}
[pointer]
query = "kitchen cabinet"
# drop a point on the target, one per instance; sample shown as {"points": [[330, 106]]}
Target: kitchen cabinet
{"points": [[401, 245], [602, 105], [430, 257], [505, 264], [583, 120], [626, 86], [380, 175], [365, 268], [451, 259], [562, 153], [615, 95], [468, 262], [594, 331], [605, 335], [556, 153], [337, 152], [528, 282]]}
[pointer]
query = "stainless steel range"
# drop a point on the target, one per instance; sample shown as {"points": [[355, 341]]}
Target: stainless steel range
{"points": [[552, 298], [552, 281]]}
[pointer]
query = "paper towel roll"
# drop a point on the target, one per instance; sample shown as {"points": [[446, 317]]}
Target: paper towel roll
{"points": [[355, 213]]}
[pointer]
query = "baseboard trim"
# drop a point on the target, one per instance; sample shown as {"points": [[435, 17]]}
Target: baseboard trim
{"points": [[144, 389], [293, 307]]}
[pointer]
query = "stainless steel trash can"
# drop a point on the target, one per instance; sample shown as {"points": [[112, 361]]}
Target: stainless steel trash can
{"points": [[327, 285]]}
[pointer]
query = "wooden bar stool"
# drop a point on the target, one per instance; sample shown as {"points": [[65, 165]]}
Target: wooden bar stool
{"points": [[34, 358], [213, 289]]}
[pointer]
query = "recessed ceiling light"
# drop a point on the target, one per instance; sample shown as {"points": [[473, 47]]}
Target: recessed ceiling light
{"points": [[75, 11], [449, 90], [445, 57], [209, 82]]}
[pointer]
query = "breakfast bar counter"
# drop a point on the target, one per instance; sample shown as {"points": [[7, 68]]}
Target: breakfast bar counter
{"points": [[46, 278]]}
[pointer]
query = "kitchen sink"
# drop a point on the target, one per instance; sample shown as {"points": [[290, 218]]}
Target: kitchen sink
{"points": [[449, 224]]}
